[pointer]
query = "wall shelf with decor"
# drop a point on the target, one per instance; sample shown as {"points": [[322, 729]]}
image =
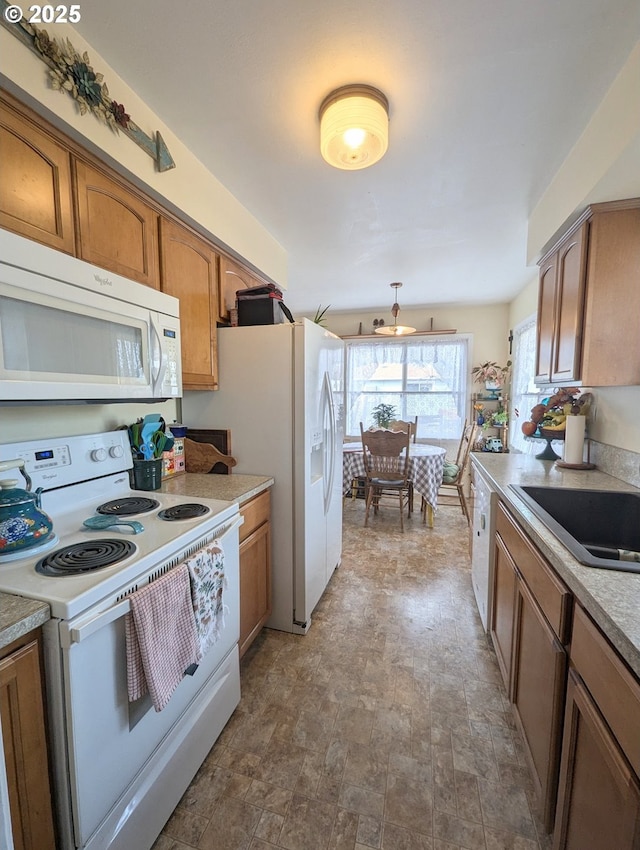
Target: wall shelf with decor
{"points": [[485, 406]]}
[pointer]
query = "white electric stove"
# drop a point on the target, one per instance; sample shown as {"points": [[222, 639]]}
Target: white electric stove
{"points": [[115, 790]]}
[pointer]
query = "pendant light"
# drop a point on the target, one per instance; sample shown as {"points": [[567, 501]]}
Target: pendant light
{"points": [[354, 127], [395, 329]]}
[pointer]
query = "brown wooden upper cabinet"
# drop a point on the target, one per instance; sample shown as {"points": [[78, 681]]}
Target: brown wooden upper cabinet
{"points": [[190, 273], [232, 277], [117, 230], [35, 190], [589, 300]]}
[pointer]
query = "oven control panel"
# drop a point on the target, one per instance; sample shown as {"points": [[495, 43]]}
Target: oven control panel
{"points": [[65, 460], [45, 458]]}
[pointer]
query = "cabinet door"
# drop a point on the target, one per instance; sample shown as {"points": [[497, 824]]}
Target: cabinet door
{"points": [[599, 795], [116, 229], [503, 608], [546, 319], [572, 270], [189, 272], [232, 278], [539, 672], [255, 584], [25, 749], [35, 190]]}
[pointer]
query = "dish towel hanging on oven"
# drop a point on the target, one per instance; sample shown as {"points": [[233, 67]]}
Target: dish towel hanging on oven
{"points": [[161, 637], [206, 569]]}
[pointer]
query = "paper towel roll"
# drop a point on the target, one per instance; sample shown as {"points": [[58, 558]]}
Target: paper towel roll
{"points": [[574, 439]]}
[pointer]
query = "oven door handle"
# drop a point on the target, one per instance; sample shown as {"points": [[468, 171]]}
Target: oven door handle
{"points": [[87, 627]]}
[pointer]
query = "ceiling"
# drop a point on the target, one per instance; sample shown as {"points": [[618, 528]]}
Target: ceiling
{"points": [[486, 101]]}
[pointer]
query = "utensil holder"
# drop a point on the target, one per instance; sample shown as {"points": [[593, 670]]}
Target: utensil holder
{"points": [[147, 474]]}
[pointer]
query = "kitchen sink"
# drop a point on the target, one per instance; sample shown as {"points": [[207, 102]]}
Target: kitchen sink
{"points": [[601, 528]]}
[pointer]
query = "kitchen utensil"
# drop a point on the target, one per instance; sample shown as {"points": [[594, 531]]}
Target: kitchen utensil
{"points": [[146, 433], [23, 523], [147, 450], [99, 523], [154, 418], [134, 434], [158, 441]]}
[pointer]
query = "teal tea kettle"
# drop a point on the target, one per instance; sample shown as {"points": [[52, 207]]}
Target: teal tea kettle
{"points": [[23, 523]]}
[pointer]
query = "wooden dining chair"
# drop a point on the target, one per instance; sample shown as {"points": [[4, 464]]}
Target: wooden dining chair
{"points": [[386, 464], [412, 427], [403, 425], [454, 472]]}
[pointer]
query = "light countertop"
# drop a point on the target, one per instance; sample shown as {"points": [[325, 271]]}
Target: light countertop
{"points": [[19, 616], [230, 488], [612, 597]]}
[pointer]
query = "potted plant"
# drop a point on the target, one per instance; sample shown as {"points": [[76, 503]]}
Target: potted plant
{"points": [[500, 418], [383, 414], [494, 377], [319, 318]]}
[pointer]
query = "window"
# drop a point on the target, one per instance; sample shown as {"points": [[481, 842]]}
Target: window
{"points": [[420, 377], [524, 393]]}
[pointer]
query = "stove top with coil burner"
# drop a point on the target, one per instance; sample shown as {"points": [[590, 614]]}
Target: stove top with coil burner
{"points": [[79, 475], [83, 557], [188, 510], [128, 506]]}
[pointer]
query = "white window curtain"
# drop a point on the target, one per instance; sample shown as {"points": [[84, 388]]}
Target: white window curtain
{"points": [[524, 393], [423, 377]]}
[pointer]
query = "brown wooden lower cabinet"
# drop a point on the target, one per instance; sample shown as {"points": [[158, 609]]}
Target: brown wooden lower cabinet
{"points": [[599, 796], [529, 627], [255, 568], [538, 690], [25, 747], [503, 608], [599, 791]]}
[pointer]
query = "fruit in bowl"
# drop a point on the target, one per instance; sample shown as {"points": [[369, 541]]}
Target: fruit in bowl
{"points": [[549, 417]]}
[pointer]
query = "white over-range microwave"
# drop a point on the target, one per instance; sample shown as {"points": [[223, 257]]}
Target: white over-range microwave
{"points": [[72, 332]]}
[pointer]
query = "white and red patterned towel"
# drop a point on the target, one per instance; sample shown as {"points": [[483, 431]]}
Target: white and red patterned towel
{"points": [[208, 581], [161, 637]]}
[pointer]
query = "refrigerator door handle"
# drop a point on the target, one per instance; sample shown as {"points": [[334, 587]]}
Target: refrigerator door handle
{"points": [[328, 410]]}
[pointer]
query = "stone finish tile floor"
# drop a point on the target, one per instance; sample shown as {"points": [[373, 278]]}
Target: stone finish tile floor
{"points": [[387, 726]]}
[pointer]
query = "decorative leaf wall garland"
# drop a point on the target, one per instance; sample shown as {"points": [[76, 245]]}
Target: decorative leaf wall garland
{"points": [[72, 73]]}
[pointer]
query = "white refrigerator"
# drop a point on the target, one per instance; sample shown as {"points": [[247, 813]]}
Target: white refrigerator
{"points": [[281, 395]]}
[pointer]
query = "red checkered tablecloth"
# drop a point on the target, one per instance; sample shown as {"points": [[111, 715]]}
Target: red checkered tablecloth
{"points": [[425, 469]]}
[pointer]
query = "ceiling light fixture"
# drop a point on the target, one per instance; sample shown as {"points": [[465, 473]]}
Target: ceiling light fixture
{"points": [[395, 329], [354, 127]]}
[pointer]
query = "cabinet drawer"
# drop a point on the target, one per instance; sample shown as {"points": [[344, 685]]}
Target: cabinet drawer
{"points": [[612, 686], [255, 512], [550, 593]]}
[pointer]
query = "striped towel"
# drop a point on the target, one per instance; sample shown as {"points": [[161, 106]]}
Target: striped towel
{"points": [[206, 569], [161, 637]]}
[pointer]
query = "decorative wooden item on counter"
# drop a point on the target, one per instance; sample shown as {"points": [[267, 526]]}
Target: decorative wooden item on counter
{"points": [[218, 437], [202, 457]]}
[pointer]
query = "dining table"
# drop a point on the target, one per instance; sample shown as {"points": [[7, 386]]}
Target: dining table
{"points": [[426, 463]]}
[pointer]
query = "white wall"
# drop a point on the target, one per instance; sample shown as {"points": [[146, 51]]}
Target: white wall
{"points": [[33, 423], [525, 304], [189, 186], [489, 325], [604, 164]]}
